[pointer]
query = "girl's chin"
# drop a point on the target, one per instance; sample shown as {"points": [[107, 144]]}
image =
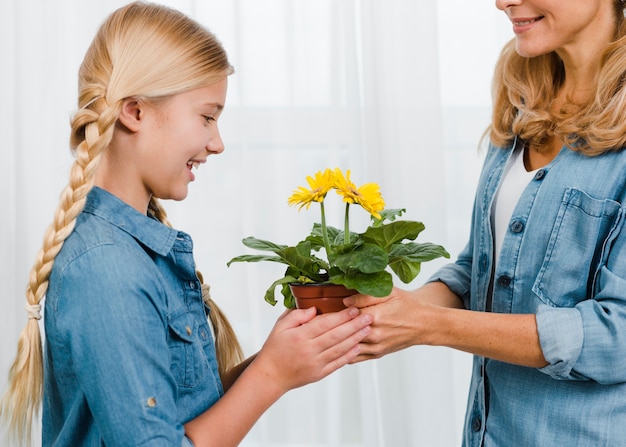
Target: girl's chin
{"points": [[180, 197], [177, 196]]}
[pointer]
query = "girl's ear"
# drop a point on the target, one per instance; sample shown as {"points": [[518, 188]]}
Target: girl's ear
{"points": [[131, 114]]}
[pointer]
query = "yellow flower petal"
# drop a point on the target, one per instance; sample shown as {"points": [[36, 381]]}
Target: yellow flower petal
{"points": [[367, 195], [344, 186], [320, 184], [370, 198]]}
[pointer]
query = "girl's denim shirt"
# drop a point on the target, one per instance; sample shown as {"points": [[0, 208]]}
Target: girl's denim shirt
{"points": [[129, 356], [563, 259]]}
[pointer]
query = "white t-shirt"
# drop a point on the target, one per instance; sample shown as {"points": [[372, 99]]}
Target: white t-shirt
{"points": [[514, 181]]}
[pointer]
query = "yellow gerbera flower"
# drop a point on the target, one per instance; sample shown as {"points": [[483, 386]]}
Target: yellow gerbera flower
{"points": [[320, 184], [367, 195]]}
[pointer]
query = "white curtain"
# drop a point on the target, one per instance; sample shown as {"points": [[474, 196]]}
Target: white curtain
{"points": [[396, 91]]}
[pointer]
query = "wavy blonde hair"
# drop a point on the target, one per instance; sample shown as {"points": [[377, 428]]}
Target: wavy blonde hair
{"points": [[524, 88], [145, 51]]}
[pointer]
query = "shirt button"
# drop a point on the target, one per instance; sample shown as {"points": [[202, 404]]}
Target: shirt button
{"points": [[192, 284], [476, 424], [188, 329], [504, 281], [517, 226], [540, 174]]}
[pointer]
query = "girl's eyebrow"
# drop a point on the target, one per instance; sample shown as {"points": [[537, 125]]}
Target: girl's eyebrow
{"points": [[215, 104]]}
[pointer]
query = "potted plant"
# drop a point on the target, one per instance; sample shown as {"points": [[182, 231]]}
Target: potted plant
{"points": [[358, 262]]}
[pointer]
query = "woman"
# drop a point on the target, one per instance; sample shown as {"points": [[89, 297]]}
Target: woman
{"points": [[539, 293], [129, 356]]}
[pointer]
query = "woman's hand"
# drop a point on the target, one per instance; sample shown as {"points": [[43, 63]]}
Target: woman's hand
{"points": [[400, 319], [304, 348], [433, 315]]}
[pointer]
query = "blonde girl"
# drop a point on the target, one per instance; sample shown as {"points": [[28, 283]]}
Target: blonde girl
{"points": [[129, 357]]}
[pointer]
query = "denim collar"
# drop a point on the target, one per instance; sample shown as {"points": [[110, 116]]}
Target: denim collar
{"points": [[146, 229]]}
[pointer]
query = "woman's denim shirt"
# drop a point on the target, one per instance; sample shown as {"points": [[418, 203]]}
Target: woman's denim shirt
{"points": [[563, 259], [129, 356]]}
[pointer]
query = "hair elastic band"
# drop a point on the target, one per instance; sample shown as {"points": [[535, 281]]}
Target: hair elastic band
{"points": [[33, 311]]}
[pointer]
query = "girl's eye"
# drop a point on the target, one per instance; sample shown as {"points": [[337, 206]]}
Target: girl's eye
{"points": [[208, 119]]}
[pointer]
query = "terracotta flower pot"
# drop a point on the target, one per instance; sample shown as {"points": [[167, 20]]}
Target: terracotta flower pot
{"points": [[324, 297]]}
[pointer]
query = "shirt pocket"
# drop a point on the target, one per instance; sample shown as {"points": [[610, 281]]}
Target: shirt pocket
{"points": [[188, 362], [576, 248]]}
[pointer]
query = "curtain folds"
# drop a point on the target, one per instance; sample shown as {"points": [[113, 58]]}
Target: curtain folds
{"points": [[355, 84]]}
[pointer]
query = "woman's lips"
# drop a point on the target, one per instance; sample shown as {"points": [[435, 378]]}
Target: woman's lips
{"points": [[524, 24]]}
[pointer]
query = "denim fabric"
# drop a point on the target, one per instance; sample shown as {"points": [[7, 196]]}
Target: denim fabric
{"points": [[129, 356], [564, 259]]}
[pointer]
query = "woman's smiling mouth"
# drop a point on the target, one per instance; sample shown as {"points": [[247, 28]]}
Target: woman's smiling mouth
{"points": [[524, 24]]}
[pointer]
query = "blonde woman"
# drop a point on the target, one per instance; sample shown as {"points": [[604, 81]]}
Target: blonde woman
{"points": [[129, 357], [539, 293]]}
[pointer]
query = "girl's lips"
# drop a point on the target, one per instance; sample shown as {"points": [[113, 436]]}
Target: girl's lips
{"points": [[190, 166]]}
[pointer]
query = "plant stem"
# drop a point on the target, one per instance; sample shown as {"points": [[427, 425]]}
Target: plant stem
{"points": [[325, 232], [346, 225]]}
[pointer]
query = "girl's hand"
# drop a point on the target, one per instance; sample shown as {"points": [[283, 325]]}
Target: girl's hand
{"points": [[304, 348]]}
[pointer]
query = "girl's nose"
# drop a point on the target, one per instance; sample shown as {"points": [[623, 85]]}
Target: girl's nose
{"points": [[215, 144]]}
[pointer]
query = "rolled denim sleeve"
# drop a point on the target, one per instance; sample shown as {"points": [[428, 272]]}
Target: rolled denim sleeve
{"points": [[453, 276], [560, 352], [588, 341]]}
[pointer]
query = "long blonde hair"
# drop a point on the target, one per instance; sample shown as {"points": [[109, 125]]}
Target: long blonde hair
{"points": [[145, 51], [523, 90]]}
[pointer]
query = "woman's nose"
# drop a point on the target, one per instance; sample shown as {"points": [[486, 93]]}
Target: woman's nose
{"points": [[504, 4]]}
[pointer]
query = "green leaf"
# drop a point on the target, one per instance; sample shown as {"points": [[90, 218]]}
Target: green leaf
{"points": [[420, 252], [303, 248], [377, 284], [270, 294], [298, 257], [387, 235], [367, 258], [307, 265], [255, 258], [289, 301], [304, 279], [406, 259], [389, 214], [406, 271], [317, 240], [263, 245]]}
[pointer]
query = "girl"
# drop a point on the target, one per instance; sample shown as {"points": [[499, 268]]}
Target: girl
{"points": [[129, 355]]}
